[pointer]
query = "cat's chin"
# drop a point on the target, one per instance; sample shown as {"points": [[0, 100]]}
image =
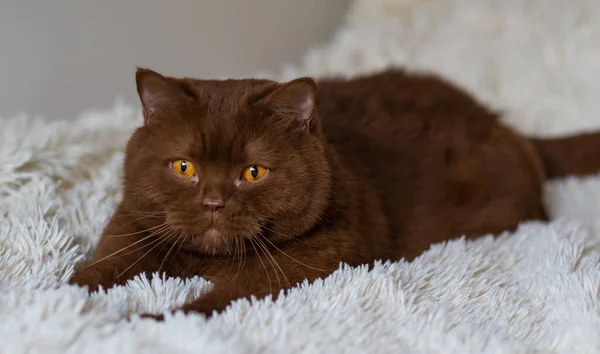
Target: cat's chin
{"points": [[212, 237], [212, 241]]}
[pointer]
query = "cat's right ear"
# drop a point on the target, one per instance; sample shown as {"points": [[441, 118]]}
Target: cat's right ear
{"points": [[295, 99], [156, 92]]}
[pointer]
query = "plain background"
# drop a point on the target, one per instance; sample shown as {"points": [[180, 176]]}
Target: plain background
{"points": [[61, 57]]}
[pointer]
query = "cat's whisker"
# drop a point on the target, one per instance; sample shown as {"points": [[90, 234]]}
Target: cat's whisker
{"points": [[227, 249], [169, 251], [290, 257], [124, 248], [151, 242], [134, 211], [181, 243], [261, 246], [243, 257], [135, 233], [245, 254], [277, 263], [164, 239], [167, 239], [274, 260], [236, 253], [241, 249], [149, 216], [233, 257], [132, 221], [142, 247], [299, 239], [261, 262]]}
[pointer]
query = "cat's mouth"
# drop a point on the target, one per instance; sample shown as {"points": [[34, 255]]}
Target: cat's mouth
{"points": [[213, 234]]}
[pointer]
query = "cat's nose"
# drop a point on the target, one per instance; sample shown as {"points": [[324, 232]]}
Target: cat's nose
{"points": [[214, 205]]}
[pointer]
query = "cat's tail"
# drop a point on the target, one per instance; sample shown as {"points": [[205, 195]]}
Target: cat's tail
{"points": [[573, 155]]}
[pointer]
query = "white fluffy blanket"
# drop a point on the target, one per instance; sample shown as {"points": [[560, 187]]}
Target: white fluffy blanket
{"points": [[536, 290]]}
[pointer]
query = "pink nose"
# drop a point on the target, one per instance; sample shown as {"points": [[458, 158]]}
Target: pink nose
{"points": [[214, 205]]}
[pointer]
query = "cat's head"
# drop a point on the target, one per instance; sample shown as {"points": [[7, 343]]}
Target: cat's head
{"points": [[223, 161]]}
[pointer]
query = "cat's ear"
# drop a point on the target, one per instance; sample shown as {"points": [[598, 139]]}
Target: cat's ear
{"points": [[156, 92], [295, 99]]}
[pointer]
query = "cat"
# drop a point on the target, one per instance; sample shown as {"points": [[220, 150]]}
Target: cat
{"points": [[257, 185]]}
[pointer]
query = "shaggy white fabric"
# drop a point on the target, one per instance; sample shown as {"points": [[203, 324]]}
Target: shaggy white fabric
{"points": [[536, 290]]}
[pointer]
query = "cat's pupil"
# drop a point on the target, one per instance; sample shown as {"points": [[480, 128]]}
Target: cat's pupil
{"points": [[183, 166], [254, 171]]}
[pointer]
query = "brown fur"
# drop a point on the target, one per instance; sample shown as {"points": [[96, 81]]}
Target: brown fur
{"points": [[380, 168]]}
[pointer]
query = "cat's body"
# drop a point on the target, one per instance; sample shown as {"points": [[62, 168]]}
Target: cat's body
{"points": [[378, 167]]}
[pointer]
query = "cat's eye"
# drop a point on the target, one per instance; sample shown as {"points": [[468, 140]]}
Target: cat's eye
{"points": [[254, 173], [183, 168]]}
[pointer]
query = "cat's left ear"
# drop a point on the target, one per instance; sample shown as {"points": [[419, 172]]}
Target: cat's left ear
{"points": [[295, 99]]}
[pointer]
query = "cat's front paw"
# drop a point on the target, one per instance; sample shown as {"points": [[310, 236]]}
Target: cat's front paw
{"points": [[159, 317], [188, 308], [91, 279]]}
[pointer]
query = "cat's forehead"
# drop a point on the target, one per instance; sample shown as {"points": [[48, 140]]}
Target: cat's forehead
{"points": [[223, 96], [224, 105], [233, 143], [223, 114], [223, 129]]}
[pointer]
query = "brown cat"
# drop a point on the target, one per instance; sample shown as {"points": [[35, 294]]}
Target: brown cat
{"points": [[256, 185]]}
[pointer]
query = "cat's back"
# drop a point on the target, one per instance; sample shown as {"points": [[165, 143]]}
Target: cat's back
{"points": [[395, 123], [395, 104], [436, 158]]}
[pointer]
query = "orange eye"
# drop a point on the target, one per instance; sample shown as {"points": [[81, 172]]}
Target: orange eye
{"points": [[183, 168], [254, 173]]}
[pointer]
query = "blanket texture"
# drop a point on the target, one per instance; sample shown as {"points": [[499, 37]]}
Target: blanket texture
{"points": [[534, 290]]}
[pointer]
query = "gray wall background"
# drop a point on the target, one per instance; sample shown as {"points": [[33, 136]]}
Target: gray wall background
{"points": [[61, 57]]}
